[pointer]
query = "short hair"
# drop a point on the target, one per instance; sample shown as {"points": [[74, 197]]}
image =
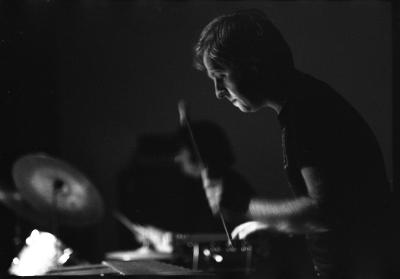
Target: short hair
{"points": [[246, 37]]}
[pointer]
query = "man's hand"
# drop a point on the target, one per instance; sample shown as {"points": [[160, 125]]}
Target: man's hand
{"points": [[213, 189], [256, 233], [158, 239], [245, 230]]}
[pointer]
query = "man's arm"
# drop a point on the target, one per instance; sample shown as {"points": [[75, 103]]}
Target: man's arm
{"points": [[297, 215], [292, 215]]}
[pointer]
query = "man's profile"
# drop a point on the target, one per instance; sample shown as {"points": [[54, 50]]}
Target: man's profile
{"points": [[333, 162]]}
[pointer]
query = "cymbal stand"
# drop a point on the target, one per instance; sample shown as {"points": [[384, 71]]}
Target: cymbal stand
{"points": [[57, 189]]}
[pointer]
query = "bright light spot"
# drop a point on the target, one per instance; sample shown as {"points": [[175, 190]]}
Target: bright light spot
{"points": [[218, 258], [30, 239], [206, 252], [65, 256], [42, 252]]}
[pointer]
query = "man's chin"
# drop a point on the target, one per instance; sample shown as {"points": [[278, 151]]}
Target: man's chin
{"points": [[243, 108]]}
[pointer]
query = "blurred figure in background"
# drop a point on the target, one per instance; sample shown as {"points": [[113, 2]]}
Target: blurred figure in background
{"points": [[216, 152], [162, 188]]}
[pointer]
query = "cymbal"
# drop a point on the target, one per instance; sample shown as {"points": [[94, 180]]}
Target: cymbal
{"points": [[14, 201], [56, 189]]}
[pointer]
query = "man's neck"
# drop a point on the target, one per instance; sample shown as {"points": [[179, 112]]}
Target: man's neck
{"points": [[284, 90]]}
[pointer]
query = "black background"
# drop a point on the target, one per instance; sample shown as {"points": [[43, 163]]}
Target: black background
{"points": [[82, 80]]}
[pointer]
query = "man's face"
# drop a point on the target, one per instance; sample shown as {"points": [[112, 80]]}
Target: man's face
{"points": [[232, 85]]}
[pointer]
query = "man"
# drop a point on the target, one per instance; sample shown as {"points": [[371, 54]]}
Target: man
{"points": [[166, 170], [331, 157]]}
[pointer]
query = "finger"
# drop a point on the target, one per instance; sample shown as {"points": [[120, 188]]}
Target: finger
{"points": [[140, 238], [237, 230], [215, 208], [244, 230], [204, 178], [242, 234], [182, 108]]}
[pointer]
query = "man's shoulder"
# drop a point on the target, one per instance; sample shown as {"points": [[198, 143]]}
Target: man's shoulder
{"points": [[314, 97], [313, 91]]}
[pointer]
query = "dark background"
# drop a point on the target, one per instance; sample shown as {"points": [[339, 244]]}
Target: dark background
{"points": [[82, 80]]}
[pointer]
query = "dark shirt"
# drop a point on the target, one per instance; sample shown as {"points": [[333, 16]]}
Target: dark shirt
{"points": [[321, 129]]}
